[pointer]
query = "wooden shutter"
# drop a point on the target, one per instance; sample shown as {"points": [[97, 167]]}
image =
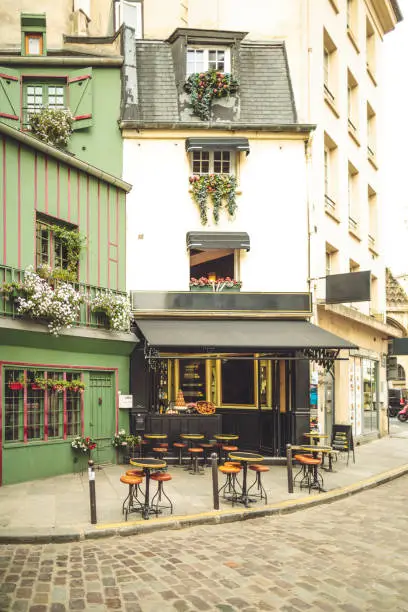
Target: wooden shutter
{"points": [[80, 97], [10, 96]]}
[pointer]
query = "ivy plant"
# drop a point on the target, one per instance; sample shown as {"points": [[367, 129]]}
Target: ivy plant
{"points": [[219, 188], [203, 87], [73, 243]]}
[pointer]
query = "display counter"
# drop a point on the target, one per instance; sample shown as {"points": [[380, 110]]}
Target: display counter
{"points": [[175, 424]]}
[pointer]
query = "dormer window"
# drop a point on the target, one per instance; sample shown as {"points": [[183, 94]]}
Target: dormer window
{"points": [[213, 162], [201, 59], [33, 34]]}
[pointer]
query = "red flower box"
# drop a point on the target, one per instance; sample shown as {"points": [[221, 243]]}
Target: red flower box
{"points": [[15, 386], [36, 387]]}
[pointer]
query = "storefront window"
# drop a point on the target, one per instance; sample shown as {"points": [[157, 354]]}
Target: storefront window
{"points": [[35, 406], [370, 404], [192, 379], [237, 382]]}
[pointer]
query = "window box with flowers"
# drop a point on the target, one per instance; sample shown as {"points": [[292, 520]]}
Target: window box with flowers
{"points": [[204, 284], [17, 384]]}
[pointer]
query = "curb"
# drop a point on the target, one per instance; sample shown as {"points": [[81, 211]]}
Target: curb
{"points": [[213, 517]]}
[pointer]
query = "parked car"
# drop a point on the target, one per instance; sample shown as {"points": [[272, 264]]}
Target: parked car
{"points": [[397, 398]]}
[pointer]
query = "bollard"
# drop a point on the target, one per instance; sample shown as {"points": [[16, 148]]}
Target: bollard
{"points": [[289, 467], [214, 466], [92, 498]]}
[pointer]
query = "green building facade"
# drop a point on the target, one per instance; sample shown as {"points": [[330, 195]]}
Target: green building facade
{"points": [[44, 189]]}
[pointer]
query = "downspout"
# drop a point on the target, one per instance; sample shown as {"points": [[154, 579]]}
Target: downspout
{"points": [[308, 152]]}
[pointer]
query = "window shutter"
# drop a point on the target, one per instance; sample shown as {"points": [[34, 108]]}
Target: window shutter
{"points": [[10, 96], [80, 97]]}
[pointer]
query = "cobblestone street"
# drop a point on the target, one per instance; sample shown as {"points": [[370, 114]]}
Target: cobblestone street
{"points": [[349, 555]]}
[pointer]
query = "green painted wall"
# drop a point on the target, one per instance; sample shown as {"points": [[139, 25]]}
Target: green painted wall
{"points": [[34, 182], [101, 143], [40, 459]]}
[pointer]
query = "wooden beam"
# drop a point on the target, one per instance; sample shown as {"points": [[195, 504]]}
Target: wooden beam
{"points": [[210, 255]]}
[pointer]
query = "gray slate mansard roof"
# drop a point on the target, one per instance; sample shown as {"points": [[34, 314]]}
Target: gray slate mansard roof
{"points": [[153, 98]]}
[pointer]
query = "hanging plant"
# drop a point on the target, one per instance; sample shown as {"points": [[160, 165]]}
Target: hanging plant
{"points": [[219, 187], [203, 87], [116, 307], [52, 125]]}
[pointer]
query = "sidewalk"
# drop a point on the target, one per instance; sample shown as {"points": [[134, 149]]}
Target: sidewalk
{"points": [[57, 509]]}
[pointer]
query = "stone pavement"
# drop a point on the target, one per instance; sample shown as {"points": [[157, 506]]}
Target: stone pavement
{"points": [[348, 556], [58, 508]]}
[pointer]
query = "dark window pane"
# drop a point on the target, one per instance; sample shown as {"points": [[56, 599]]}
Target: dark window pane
{"points": [[238, 382]]}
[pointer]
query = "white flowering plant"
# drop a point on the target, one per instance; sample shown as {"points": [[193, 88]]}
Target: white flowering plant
{"points": [[52, 125], [119, 439], [116, 307], [83, 444], [59, 305]]}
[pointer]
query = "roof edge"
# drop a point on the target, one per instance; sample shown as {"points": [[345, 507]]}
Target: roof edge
{"points": [[294, 128], [35, 143]]}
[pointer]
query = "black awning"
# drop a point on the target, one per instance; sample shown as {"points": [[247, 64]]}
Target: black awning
{"points": [[218, 240], [217, 144], [238, 335]]}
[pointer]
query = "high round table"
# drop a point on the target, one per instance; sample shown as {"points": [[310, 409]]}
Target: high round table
{"points": [[147, 464], [245, 459], [224, 438], [315, 436]]}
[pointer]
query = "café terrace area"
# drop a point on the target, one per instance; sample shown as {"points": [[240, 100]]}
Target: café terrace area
{"points": [[60, 506]]}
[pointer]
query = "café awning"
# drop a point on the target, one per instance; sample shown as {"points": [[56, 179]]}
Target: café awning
{"points": [[217, 144], [238, 335], [218, 240]]}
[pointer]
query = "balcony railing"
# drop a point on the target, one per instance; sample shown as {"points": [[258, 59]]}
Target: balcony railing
{"points": [[353, 225], [329, 204], [87, 318], [371, 240]]}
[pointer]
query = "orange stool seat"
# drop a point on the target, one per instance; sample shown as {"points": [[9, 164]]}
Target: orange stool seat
{"points": [[160, 449], [230, 449], [233, 464], [259, 468], [139, 473], [229, 469], [207, 445], [310, 461], [160, 476], [195, 450], [131, 480], [179, 445]]}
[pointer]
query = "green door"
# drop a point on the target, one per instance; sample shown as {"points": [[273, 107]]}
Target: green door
{"points": [[102, 415]]}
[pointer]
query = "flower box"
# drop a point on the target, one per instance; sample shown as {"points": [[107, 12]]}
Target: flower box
{"points": [[209, 289], [15, 386], [36, 387]]}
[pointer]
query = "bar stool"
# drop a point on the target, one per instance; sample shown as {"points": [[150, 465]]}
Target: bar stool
{"points": [[231, 483], [258, 469], [160, 451], [301, 474], [194, 454], [160, 478], [132, 481], [207, 448], [180, 446], [312, 479], [228, 449], [137, 489]]}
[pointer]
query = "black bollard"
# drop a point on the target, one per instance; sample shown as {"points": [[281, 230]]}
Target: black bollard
{"points": [[92, 497], [214, 466], [289, 467]]}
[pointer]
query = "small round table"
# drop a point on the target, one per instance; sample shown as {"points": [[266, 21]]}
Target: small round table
{"points": [[224, 438], [315, 436], [192, 437], [153, 436], [244, 459], [147, 464]]}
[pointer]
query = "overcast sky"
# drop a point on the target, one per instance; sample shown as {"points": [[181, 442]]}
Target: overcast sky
{"points": [[395, 146]]}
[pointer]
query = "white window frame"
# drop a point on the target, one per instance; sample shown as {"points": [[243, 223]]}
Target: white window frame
{"points": [[233, 161], [119, 15], [206, 50], [326, 157]]}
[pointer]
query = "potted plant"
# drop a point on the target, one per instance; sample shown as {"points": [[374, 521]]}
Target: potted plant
{"points": [[17, 384], [83, 444], [39, 383], [76, 385], [57, 385]]}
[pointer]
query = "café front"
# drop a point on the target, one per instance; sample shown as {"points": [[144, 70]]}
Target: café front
{"points": [[247, 354]]}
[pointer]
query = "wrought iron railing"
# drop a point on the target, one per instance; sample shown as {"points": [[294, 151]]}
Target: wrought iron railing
{"points": [[87, 318]]}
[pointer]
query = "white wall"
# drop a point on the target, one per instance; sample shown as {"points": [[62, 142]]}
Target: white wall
{"points": [[271, 208]]}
